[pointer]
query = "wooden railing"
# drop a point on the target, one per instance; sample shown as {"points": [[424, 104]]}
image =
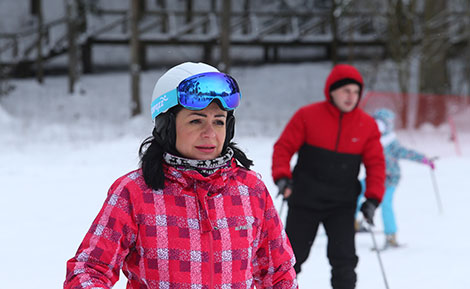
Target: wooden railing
{"points": [[15, 47], [203, 28]]}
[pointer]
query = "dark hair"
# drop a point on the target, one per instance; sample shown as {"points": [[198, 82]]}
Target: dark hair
{"points": [[163, 140]]}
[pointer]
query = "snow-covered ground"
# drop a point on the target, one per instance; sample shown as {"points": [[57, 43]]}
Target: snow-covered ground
{"points": [[60, 153]]}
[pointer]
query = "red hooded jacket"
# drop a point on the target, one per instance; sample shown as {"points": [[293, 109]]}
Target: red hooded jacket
{"points": [[331, 146]]}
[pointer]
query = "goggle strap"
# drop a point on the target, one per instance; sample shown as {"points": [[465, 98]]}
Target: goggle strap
{"points": [[164, 102]]}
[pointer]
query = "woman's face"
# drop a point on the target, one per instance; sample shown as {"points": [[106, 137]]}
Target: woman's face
{"points": [[200, 134]]}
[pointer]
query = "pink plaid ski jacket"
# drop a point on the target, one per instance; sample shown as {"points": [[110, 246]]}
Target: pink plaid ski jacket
{"points": [[220, 231]]}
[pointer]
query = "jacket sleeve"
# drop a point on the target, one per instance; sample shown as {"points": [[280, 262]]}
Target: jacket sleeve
{"points": [[374, 163], [290, 141], [101, 254], [274, 259], [402, 152]]}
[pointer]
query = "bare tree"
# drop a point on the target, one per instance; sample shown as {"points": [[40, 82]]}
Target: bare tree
{"points": [[467, 54], [189, 11], [334, 32], [135, 63], [72, 44], [246, 15], [400, 43], [225, 36], [5, 86], [164, 18], [336, 11], [39, 60], [433, 64]]}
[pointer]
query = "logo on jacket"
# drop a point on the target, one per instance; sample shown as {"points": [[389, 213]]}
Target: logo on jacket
{"points": [[355, 139], [246, 227]]}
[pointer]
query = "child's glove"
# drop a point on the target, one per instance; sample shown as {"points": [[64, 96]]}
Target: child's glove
{"points": [[429, 162], [368, 210]]}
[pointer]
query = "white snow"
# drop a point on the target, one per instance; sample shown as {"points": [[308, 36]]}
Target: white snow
{"points": [[59, 154]]}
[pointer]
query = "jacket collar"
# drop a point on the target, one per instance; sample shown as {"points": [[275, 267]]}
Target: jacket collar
{"points": [[201, 187], [336, 112], [188, 177]]}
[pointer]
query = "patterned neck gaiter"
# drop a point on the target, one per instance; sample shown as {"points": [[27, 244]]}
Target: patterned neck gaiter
{"points": [[204, 167]]}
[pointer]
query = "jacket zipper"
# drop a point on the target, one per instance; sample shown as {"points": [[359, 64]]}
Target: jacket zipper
{"points": [[211, 259], [210, 235], [339, 131]]}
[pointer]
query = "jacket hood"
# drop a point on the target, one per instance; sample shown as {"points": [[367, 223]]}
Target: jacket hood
{"points": [[340, 75]]}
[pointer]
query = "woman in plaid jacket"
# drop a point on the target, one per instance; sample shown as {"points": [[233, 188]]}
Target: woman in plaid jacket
{"points": [[191, 216]]}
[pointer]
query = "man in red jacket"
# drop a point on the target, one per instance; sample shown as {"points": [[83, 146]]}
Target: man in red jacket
{"points": [[332, 139]]}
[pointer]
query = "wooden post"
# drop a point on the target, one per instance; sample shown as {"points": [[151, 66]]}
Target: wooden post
{"points": [[71, 35], [39, 60], [246, 16], [135, 64], [15, 45], [3, 79], [142, 7], [87, 57], [189, 12], [225, 36], [164, 19], [267, 58], [334, 33], [143, 56], [207, 53], [351, 47], [467, 54]]}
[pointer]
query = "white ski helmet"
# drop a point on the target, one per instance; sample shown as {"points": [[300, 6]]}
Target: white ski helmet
{"points": [[173, 77], [164, 121]]}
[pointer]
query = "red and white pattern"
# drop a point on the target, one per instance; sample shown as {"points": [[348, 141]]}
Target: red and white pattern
{"points": [[220, 231]]}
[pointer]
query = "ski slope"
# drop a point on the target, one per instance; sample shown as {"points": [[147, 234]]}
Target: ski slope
{"points": [[59, 154]]}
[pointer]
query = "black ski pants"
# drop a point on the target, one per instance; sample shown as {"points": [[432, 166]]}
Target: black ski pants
{"points": [[301, 228]]}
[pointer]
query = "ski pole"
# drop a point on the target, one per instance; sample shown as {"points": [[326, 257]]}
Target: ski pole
{"points": [[436, 190], [282, 207], [376, 248], [281, 194]]}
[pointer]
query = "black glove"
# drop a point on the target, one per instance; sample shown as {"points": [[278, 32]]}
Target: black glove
{"points": [[368, 209], [282, 185]]}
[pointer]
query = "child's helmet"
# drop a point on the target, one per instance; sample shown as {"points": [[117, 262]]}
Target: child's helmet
{"points": [[385, 119]]}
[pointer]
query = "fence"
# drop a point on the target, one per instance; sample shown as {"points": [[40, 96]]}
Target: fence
{"points": [[414, 110]]}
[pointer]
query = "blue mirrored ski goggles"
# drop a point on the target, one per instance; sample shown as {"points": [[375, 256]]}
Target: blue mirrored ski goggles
{"points": [[198, 91]]}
